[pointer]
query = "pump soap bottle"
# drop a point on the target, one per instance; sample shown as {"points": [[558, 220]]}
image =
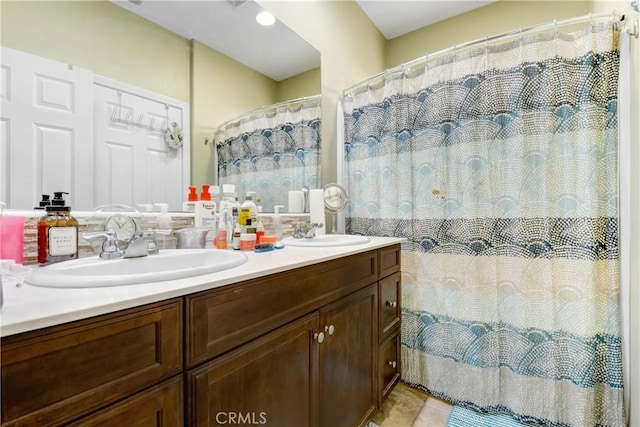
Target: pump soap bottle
{"points": [[43, 203], [57, 233], [205, 215], [192, 198]]}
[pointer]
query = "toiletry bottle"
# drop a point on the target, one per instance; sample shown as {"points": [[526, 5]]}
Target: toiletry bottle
{"points": [[226, 206], [222, 234], [43, 203], [248, 210], [215, 195], [277, 224], [192, 198], [57, 233], [259, 227], [237, 232], [164, 219], [205, 215]]}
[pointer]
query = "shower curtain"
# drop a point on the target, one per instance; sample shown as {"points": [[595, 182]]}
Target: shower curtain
{"points": [[272, 151], [498, 164]]}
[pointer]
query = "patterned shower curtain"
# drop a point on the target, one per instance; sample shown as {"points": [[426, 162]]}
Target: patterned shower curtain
{"points": [[271, 152], [499, 167]]}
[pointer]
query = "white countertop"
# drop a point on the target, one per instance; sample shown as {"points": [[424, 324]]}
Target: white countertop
{"points": [[27, 308]]}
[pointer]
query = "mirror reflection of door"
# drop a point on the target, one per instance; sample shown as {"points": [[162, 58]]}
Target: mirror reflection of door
{"points": [[134, 165], [46, 131]]}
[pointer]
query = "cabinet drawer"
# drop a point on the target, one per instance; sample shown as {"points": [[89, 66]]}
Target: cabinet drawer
{"points": [[389, 305], [58, 374], [388, 260], [225, 318], [160, 406], [389, 366]]}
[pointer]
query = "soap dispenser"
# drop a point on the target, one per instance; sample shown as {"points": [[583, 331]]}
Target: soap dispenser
{"points": [[44, 202], [192, 198], [205, 215], [164, 219], [57, 233], [277, 224]]}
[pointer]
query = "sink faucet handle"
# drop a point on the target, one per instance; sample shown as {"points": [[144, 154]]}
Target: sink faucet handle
{"points": [[110, 248], [92, 235], [298, 233], [149, 236]]}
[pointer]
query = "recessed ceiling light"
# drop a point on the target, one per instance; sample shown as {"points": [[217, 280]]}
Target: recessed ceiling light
{"points": [[265, 18]]}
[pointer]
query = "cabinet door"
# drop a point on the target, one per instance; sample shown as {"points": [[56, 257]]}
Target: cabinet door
{"points": [[159, 406], [270, 381], [348, 359]]}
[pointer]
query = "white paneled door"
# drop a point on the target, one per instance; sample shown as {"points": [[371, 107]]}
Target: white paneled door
{"points": [[46, 131], [134, 164]]}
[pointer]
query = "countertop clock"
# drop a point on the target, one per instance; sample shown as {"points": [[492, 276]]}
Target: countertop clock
{"points": [[124, 226]]}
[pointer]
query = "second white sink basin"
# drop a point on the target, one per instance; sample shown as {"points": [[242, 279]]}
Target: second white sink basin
{"points": [[169, 264], [325, 240]]}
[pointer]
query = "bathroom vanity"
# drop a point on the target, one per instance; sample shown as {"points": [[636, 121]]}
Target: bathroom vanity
{"points": [[295, 337]]}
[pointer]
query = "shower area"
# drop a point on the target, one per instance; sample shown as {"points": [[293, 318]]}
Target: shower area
{"points": [[272, 150], [502, 164]]}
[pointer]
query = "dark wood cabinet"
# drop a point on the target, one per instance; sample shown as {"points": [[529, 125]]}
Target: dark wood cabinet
{"points": [[55, 375], [348, 359], [389, 369], [390, 305], [270, 381], [159, 406], [390, 315], [221, 319], [314, 346]]}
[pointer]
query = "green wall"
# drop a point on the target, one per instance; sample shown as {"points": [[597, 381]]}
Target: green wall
{"points": [[101, 37], [492, 19], [303, 84]]}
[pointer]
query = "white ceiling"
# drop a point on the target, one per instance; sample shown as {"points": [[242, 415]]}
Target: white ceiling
{"points": [[397, 17], [229, 26]]}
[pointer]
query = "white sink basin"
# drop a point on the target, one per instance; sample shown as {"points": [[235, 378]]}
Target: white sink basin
{"points": [[169, 264], [325, 240]]}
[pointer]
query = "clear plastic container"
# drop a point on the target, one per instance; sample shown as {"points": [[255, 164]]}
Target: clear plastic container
{"points": [[247, 241]]}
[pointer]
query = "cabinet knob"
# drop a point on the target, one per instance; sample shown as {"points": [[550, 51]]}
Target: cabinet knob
{"points": [[392, 304], [392, 363], [319, 336], [330, 329]]}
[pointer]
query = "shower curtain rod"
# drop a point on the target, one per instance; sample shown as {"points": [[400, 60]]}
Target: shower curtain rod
{"points": [[300, 100], [520, 31]]}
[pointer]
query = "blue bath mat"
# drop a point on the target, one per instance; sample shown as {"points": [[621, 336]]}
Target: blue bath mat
{"points": [[462, 417]]}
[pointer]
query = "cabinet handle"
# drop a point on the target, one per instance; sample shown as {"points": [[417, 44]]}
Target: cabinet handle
{"points": [[319, 336], [392, 363], [392, 304], [330, 329]]}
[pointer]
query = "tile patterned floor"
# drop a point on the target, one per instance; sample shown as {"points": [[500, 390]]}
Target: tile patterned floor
{"points": [[410, 407]]}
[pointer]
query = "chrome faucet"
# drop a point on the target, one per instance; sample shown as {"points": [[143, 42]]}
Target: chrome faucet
{"points": [[112, 247], [309, 233]]}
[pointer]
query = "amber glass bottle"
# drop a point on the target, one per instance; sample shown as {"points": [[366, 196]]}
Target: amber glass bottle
{"points": [[57, 233]]}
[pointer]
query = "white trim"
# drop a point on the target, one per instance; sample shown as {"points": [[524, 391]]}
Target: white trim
{"points": [[624, 204]]}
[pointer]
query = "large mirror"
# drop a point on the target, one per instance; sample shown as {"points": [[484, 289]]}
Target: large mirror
{"points": [[186, 50]]}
